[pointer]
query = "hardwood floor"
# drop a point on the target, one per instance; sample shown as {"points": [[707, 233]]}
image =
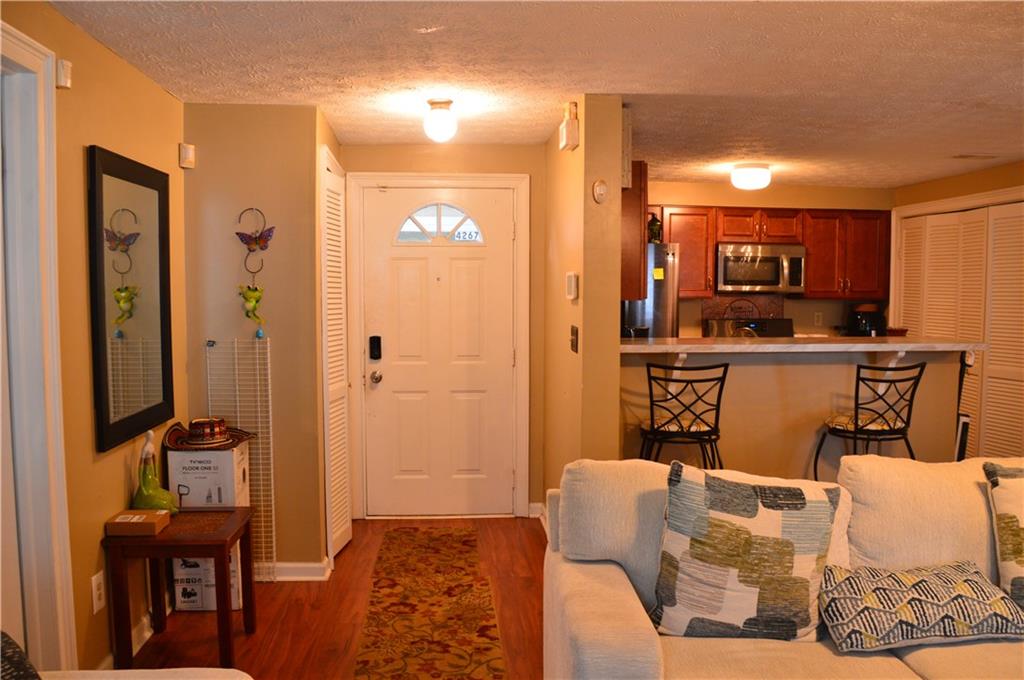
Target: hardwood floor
{"points": [[311, 629]]}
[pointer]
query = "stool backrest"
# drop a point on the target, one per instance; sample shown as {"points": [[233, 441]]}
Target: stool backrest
{"points": [[682, 396], [884, 396]]}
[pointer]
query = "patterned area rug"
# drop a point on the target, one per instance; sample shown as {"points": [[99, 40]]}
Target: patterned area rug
{"points": [[430, 614]]}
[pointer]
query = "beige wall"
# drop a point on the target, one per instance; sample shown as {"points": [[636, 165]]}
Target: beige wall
{"points": [[582, 388], [774, 196], [494, 158], [989, 179], [563, 369], [115, 106], [262, 157], [601, 140]]}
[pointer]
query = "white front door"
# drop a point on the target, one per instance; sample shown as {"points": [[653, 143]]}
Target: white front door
{"points": [[438, 292]]}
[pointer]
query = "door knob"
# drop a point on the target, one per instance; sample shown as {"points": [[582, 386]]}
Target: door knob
{"points": [[376, 377]]}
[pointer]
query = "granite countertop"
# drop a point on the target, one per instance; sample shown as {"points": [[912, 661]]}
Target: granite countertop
{"points": [[805, 344]]}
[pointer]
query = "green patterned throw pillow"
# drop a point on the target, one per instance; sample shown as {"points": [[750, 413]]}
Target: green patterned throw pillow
{"points": [[869, 609], [1006, 497], [743, 559]]}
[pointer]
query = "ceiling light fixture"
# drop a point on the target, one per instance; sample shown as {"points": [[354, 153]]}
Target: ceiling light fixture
{"points": [[440, 123], [751, 176]]}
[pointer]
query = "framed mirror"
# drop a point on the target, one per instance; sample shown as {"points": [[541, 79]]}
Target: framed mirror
{"points": [[130, 296]]}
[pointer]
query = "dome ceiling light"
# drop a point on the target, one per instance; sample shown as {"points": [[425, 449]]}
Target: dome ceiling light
{"points": [[440, 123], [751, 176]]}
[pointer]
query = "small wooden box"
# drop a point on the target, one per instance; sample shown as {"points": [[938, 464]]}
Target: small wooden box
{"points": [[138, 523]]}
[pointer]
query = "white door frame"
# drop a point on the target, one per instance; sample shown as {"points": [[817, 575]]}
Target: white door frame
{"points": [[357, 183], [34, 345]]}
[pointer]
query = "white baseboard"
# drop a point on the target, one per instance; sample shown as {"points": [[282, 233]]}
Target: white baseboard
{"points": [[537, 510], [304, 571], [141, 632]]}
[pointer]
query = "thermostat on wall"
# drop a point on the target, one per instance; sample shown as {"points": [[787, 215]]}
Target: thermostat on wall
{"points": [[572, 285]]}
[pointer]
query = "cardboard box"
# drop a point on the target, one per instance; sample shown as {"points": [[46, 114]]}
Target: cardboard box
{"points": [[207, 479], [137, 523], [210, 478], [195, 584]]}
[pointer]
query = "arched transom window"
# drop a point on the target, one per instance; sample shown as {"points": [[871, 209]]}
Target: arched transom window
{"points": [[440, 223]]}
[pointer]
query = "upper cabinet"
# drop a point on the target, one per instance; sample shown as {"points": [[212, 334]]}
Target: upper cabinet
{"points": [[693, 229], [759, 225], [847, 254], [634, 235]]}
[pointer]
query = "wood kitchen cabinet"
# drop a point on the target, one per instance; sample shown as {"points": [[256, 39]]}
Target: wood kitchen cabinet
{"points": [[847, 254], [634, 235], [759, 225], [693, 228]]}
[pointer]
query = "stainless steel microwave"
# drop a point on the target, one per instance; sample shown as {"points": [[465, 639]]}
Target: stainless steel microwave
{"points": [[765, 268]]}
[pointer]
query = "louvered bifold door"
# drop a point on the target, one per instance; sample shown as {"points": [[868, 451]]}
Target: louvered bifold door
{"points": [[973, 267], [1002, 433], [335, 370], [942, 264], [911, 249]]}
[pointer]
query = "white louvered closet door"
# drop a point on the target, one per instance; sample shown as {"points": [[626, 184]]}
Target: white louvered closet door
{"points": [[335, 368], [942, 269], [1003, 400], [913, 275], [972, 250]]}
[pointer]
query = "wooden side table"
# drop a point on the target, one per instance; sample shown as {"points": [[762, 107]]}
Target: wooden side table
{"points": [[192, 533]]}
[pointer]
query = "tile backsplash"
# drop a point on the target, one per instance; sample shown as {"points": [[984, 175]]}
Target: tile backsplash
{"points": [[802, 311]]}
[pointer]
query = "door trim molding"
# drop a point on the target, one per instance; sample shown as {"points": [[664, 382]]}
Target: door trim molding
{"points": [[35, 379], [356, 184]]}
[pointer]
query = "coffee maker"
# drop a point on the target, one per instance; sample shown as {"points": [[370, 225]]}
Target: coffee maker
{"points": [[865, 319]]}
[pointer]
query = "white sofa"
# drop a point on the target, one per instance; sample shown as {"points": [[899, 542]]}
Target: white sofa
{"points": [[601, 565]]}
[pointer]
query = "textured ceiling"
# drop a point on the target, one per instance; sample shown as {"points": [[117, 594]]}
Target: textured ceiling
{"points": [[841, 94]]}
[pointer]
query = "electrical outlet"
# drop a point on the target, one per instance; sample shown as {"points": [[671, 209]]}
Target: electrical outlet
{"points": [[818, 319], [99, 592]]}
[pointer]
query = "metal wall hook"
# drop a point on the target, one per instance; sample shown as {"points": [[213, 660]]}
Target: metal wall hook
{"points": [[263, 218], [113, 264], [121, 210], [245, 264]]}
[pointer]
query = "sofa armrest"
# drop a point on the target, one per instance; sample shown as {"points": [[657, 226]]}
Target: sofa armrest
{"points": [[552, 506], [595, 626]]}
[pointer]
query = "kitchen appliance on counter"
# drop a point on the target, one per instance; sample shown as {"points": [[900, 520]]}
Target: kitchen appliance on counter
{"points": [[748, 328], [656, 316], [766, 268], [865, 319]]}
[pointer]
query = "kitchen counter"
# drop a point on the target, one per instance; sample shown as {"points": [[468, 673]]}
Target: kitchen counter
{"points": [[780, 345], [779, 391]]}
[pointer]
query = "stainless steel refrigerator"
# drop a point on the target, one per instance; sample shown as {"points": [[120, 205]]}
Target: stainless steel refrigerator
{"points": [[656, 316]]}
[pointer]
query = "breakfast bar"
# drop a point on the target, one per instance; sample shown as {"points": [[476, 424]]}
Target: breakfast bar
{"points": [[779, 392]]}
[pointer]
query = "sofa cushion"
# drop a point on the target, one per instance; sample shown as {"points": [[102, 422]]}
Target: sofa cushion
{"points": [[991, 659], [909, 513], [614, 510], [868, 608], [1006, 493], [743, 557], [724, 659]]}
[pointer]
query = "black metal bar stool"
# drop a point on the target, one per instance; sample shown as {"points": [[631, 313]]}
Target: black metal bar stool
{"points": [[882, 405], [684, 407]]}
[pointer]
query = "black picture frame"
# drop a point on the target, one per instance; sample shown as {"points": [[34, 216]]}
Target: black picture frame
{"points": [[110, 433]]}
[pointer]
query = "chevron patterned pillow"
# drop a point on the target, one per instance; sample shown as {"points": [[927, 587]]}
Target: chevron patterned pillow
{"points": [[868, 608], [1006, 496]]}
